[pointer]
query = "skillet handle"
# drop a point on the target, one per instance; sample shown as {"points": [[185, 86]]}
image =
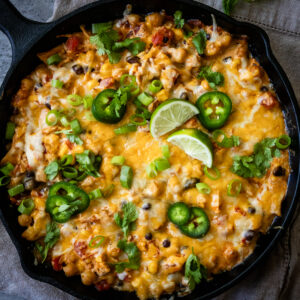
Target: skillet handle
{"points": [[21, 31]]}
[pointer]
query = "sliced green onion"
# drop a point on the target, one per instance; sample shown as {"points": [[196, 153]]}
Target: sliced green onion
{"points": [[18, 189], [127, 80], [6, 169], [97, 241], [4, 180], [57, 83], [74, 99], [70, 172], [234, 187], [145, 98], [155, 86], [138, 119], [165, 151], [203, 188], [10, 130], [81, 176], [87, 101], [151, 170], [95, 194], [210, 176], [125, 129], [108, 190], [118, 160], [75, 126], [64, 121], [52, 117], [53, 59], [161, 164], [283, 141], [126, 177], [66, 160], [26, 206]]}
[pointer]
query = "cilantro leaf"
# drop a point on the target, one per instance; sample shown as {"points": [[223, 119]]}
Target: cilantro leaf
{"points": [[130, 214], [101, 27], [228, 6], [133, 254], [89, 163], [135, 45], [214, 78], [199, 41], [52, 170], [51, 238], [226, 142], [73, 138], [194, 271], [256, 165], [179, 22]]}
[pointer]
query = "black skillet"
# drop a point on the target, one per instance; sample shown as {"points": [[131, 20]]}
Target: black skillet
{"points": [[28, 38]]}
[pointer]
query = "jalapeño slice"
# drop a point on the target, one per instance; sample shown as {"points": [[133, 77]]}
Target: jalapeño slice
{"points": [[107, 108], [179, 213], [198, 224], [215, 108]]}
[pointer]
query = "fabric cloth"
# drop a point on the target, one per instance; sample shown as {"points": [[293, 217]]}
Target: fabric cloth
{"points": [[278, 276]]}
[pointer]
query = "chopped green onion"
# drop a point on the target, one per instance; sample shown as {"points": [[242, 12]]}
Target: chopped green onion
{"points": [[118, 160], [75, 126], [4, 180], [53, 59], [283, 142], [165, 151], [145, 98], [26, 206], [125, 129], [18, 189], [96, 241], [74, 99], [127, 80], [151, 170], [70, 172], [234, 187], [10, 130], [138, 119], [126, 177], [64, 121], [155, 86], [210, 176], [161, 164], [7, 168], [52, 117], [108, 190], [203, 188], [95, 194], [57, 83], [87, 101], [66, 160]]}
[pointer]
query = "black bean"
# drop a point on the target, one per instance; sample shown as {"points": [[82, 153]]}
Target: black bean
{"points": [[227, 59], [37, 86], [166, 243], [190, 183], [78, 69], [133, 59], [146, 206], [28, 181], [165, 39], [208, 36], [251, 210], [48, 105], [148, 236], [279, 171], [264, 88], [184, 96], [249, 235]]}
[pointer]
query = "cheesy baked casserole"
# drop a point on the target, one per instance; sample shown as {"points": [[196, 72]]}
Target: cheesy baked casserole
{"points": [[146, 154]]}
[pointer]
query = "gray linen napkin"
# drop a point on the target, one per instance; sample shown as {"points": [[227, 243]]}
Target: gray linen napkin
{"points": [[278, 277]]}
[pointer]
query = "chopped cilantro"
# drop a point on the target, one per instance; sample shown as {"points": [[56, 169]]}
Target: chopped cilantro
{"points": [[178, 21], [52, 170], [130, 214], [199, 41], [89, 162], [135, 45], [101, 27], [214, 78]]}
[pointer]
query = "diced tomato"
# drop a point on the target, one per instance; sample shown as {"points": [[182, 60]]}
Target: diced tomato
{"points": [[57, 266], [69, 144], [72, 43], [103, 285], [162, 36]]}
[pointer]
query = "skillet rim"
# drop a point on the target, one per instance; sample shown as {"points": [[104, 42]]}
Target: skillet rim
{"points": [[292, 99]]}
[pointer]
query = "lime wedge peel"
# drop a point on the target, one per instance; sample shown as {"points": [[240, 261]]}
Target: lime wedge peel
{"points": [[170, 115], [195, 143]]}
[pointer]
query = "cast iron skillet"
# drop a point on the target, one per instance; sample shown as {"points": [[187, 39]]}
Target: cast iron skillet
{"points": [[28, 38]]}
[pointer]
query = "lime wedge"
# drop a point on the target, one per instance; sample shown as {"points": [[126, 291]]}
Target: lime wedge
{"points": [[171, 114], [195, 143]]}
